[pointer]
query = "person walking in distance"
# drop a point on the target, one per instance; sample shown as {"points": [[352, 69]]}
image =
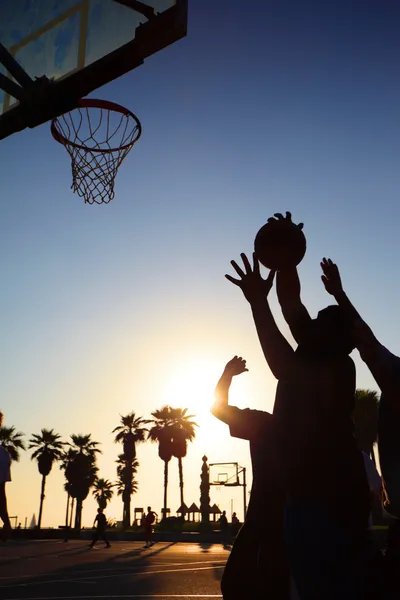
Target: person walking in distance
{"points": [[235, 524], [148, 526], [223, 525], [100, 523], [5, 476]]}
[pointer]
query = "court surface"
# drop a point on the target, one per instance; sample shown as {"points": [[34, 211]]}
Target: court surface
{"points": [[41, 570]]}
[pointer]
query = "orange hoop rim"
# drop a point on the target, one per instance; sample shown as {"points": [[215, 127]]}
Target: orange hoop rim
{"points": [[101, 104]]}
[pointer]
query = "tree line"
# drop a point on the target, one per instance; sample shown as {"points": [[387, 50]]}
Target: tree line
{"points": [[171, 428]]}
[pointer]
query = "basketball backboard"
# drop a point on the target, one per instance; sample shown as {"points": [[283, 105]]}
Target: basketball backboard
{"points": [[55, 52], [226, 474]]}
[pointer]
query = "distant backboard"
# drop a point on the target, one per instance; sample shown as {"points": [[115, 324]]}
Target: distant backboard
{"points": [[55, 52], [224, 474]]}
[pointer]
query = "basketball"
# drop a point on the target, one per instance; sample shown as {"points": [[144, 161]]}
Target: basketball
{"points": [[280, 244]]}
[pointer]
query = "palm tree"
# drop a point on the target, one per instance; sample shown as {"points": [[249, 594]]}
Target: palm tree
{"points": [[365, 418], [183, 432], [103, 492], [126, 482], [12, 442], [67, 457], [81, 471], [123, 486], [162, 432], [129, 432], [49, 448]]}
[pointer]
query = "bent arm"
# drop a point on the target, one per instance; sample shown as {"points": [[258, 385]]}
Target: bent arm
{"points": [[221, 408], [293, 310]]}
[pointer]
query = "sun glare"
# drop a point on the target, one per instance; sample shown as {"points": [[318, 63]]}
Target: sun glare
{"points": [[191, 386]]}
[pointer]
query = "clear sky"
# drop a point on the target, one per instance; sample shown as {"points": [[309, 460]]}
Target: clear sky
{"points": [[264, 107]]}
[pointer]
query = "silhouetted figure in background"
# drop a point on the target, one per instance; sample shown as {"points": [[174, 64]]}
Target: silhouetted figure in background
{"points": [[148, 527], [327, 507], [100, 523], [224, 528], [5, 476], [257, 566], [235, 525]]}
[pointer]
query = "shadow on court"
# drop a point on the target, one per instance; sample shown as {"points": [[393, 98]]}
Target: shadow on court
{"points": [[78, 572]]}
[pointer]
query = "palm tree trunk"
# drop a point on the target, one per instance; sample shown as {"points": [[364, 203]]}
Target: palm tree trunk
{"points": [[78, 514], [67, 511], [126, 510], [41, 501], [128, 494], [72, 512], [180, 478], [165, 487]]}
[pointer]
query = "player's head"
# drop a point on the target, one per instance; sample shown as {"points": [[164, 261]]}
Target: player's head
{"points": [[331, 332], [99, 510], [148, 508]]}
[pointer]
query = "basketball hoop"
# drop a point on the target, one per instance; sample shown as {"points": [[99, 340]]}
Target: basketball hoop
{"points": [[97, 135]]}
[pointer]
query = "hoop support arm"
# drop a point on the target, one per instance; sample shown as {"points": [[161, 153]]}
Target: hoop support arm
{"points": [[140, 7], [13, 67], [11, 88]]}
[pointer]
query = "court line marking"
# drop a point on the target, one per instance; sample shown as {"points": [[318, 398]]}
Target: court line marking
{"points": [[83, 579], [108, 597], [119, 569]]}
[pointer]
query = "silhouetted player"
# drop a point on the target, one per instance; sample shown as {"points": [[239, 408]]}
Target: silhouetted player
{"points": [[100, 523], [257, 566], [385, 367], [328, 505], [5, 476]]}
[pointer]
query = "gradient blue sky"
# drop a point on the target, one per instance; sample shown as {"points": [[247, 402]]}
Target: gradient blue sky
{"points": [[264, 107]]}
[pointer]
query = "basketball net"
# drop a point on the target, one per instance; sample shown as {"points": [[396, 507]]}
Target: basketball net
{"points": [[97, 135]]}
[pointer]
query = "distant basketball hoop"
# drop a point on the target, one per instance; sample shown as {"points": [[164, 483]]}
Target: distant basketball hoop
{"points": [[97, 135]]}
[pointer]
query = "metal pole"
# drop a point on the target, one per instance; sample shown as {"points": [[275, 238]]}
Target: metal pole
{"points": [[244, 493]]}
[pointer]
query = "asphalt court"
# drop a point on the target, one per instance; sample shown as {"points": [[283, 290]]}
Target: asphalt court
{"points": [[54, 570]]}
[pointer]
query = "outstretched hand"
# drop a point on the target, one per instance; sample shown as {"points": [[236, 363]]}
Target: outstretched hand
{"points": [[279, 219], [331, 277], [235, 366], [251, 283]]}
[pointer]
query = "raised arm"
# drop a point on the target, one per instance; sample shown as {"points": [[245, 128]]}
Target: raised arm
{"points": [[378, 359], [277, 350], [288, 289], [366, 342], [294, 312], [221, 408]]}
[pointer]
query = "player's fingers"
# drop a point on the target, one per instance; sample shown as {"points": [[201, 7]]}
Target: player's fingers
{"points": [[280, 216], [246, 262], [256, 264], [233, 280], [238, 269], [288, 215]]}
